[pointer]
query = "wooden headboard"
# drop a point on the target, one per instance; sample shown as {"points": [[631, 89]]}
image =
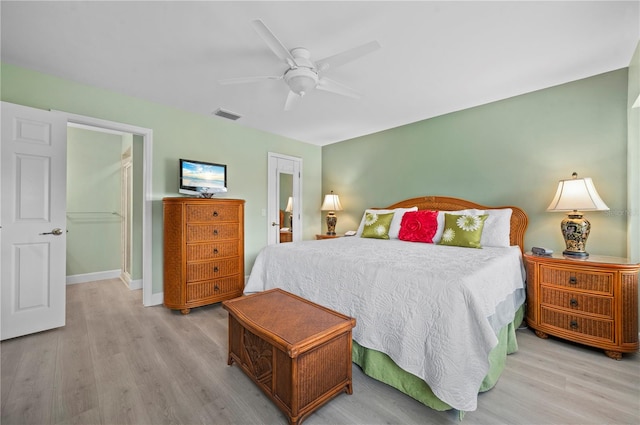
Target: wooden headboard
{"points": [[519, 219]]}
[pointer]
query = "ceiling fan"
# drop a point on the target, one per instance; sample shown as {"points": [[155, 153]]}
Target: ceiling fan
{"points": [[303, 74]]}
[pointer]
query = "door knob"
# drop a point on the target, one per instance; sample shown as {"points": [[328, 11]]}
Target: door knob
{"points": [[273, 223], [57, 231]]}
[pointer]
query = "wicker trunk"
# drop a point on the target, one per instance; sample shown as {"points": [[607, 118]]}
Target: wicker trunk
{"points": [[297, 352]]}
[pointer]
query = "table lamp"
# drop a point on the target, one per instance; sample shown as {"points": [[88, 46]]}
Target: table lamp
{"points": [[332, 204], [573, 196]]}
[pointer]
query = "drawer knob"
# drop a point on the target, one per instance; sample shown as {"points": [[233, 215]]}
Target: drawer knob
{"points": [[215, 269], [573, 302], [573, 280], [215, 213], [573, 324], [215, 232], [215, 250]]}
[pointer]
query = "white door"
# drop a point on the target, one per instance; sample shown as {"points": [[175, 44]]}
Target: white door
{"points": [[33, 168], [283, 164]]}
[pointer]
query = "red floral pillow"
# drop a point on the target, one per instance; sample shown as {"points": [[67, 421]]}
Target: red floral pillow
{"points": [[418, 226]]}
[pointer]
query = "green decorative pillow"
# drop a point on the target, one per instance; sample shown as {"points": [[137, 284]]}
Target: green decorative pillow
{"points": [[463, 230], [377, 225]]}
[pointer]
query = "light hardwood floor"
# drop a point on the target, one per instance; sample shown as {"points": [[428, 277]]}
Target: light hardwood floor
{"points": [[116, 362]]}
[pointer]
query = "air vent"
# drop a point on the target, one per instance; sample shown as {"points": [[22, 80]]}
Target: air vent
{"points": [[226, 114]]}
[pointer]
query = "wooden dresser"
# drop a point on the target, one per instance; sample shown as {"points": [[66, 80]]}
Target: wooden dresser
{"points": [[592, 301], [203, 251]]}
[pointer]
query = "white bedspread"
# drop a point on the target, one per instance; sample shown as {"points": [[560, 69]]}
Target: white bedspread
{"points": [[431, 308]]}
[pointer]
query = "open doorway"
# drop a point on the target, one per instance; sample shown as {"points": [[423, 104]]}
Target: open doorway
{"points": [[143, 198], [103, 174]]}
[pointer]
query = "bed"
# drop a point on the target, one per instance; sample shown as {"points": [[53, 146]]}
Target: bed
{"points": [[434, 321]]}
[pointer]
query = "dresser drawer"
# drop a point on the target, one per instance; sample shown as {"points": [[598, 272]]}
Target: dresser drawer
{"points": [[212, 213], [596, 328], [197, 291], [212, 269], [210, 251], [577, 301], [575, 279], [211, 232]]}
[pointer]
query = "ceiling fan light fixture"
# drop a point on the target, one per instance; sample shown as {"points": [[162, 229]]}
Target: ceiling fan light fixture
{"points": [[302, 74], [301, 80]]}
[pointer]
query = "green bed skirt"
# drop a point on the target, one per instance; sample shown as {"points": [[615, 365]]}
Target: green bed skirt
{"points": [[380, 367]]}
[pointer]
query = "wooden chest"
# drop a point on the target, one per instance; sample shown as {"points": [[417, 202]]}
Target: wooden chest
{"points": [[203, 251], [297, 352]]}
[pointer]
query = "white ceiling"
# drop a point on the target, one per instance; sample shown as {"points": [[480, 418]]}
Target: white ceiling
{"points": [[436, 57]]}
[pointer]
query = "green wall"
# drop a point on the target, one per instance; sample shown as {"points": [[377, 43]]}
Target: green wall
{"points": [[179, 134], [511, 152], [93, 194]]}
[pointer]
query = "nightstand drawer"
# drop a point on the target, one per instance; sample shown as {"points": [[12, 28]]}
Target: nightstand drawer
{"points": [[596, 328], [576, 301], [576, 279]]}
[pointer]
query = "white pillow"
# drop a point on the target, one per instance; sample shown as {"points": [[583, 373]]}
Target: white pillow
{"points": [[497, 227], [394, 229]]}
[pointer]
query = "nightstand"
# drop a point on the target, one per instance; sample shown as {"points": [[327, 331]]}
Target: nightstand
{"points": [[323, 236], [286, 236], [592, 301]]}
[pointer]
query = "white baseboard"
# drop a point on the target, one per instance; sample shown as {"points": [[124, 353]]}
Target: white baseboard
{"points": [[131, 284], [90, 277], [135, 284]]}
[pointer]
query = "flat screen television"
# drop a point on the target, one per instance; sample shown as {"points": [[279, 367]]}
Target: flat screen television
{"points": [[203, 179]]}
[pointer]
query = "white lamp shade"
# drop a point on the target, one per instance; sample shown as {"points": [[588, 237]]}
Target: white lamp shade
{"points": [[289, 205], [331, 203], [577, 195]]}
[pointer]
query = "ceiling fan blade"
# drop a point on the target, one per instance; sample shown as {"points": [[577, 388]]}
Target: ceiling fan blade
{"points": [[242, 80], [332, 86], [292, 101], [347, 56], [272, 41]]}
